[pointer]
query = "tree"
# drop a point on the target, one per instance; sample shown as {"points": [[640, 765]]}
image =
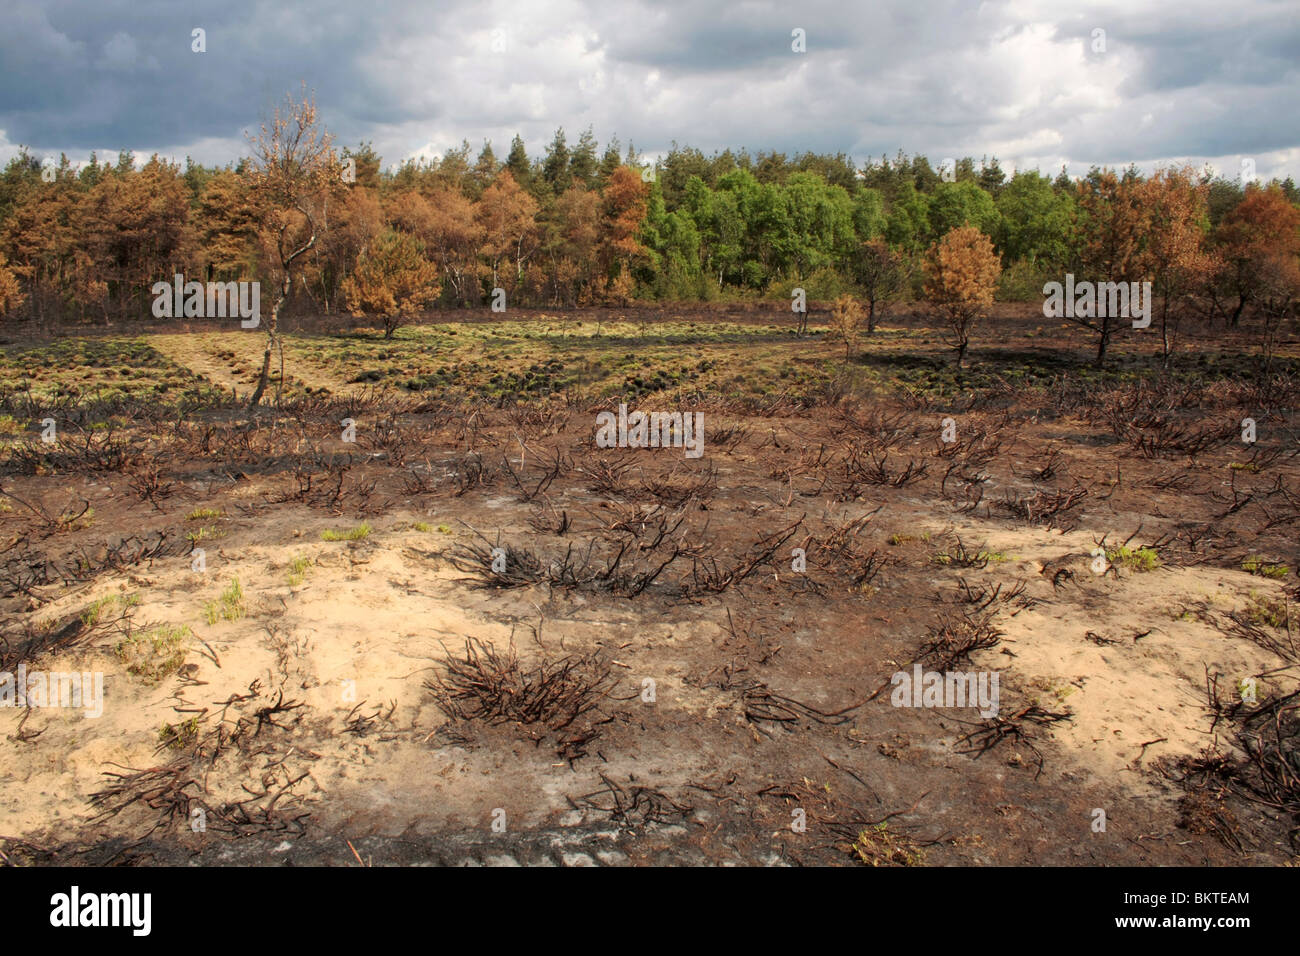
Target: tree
{"points": [[367, 165], [294, 168], [908, 221], [227, 224], [883, 274], [1063, 183], [40, 237], [444, 221], [583, 162], [21, 172], [571, 244], [961, 204], [1252, 236], [820, 218], [454, 171], [1223, 197], [868, 213], [517, 162], [11, 295], [555, 165], [623, 211], [1175, 225], [846, 323], [1034, 221], [505, 213], [1109, 228], [672, 263], [676, 171], [354, 220], [393, 280], [609, 161], [963, 275], [196, 177], [485, 168], [992, 178], [133, 230], [721, 227], [1278, 275]]}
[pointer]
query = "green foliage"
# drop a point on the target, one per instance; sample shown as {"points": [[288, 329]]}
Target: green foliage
{"points": [[359, 533], [962, 204], [721, 226], [1254, 565], [1268, 611], [1023, 281], [179, 736], [908, 223], [154, 653], [1034, 222], [298, 566], [1133, 559], [96, 610], [229, 606]]}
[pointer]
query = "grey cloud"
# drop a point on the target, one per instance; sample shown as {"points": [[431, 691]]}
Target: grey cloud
{"points": [[948, 78]]}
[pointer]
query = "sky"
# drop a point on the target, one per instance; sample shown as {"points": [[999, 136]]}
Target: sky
{"points": [[1036, 84]]}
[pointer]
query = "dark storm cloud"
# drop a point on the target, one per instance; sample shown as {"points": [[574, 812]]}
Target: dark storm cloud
{"points": [[78, 76], [1017, 79]]}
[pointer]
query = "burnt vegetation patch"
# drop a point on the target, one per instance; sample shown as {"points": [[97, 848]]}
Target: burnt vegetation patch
{"points": [[561, 697], [835, 515]]}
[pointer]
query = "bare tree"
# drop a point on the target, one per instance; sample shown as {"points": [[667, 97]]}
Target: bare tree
{"points": [[293, 174]]}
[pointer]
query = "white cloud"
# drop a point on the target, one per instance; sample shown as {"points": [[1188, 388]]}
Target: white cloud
{"points": [[1015, 79]]}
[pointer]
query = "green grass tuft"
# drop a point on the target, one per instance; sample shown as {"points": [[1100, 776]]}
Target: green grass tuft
{"points": [[1134, 559], [359, 533], [154, 653]]}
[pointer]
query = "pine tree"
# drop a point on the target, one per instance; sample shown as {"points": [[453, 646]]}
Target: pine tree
{"points": [[521, 169], [555, 166], [963, 276], [582, 162], [392, 281]]}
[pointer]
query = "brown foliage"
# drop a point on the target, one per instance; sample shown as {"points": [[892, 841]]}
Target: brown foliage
{"points": [[963, 275]]}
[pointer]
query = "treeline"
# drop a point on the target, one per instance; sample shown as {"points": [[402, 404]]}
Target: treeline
{"points": [[584, 226]]}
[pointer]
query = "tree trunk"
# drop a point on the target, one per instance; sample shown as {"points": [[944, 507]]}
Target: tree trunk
{"points": [[1164, 335], [271, 335], [266, 372]]}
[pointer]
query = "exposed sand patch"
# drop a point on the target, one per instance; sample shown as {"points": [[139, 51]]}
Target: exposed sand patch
{"points": [[1151, 689], [233, 362]]}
